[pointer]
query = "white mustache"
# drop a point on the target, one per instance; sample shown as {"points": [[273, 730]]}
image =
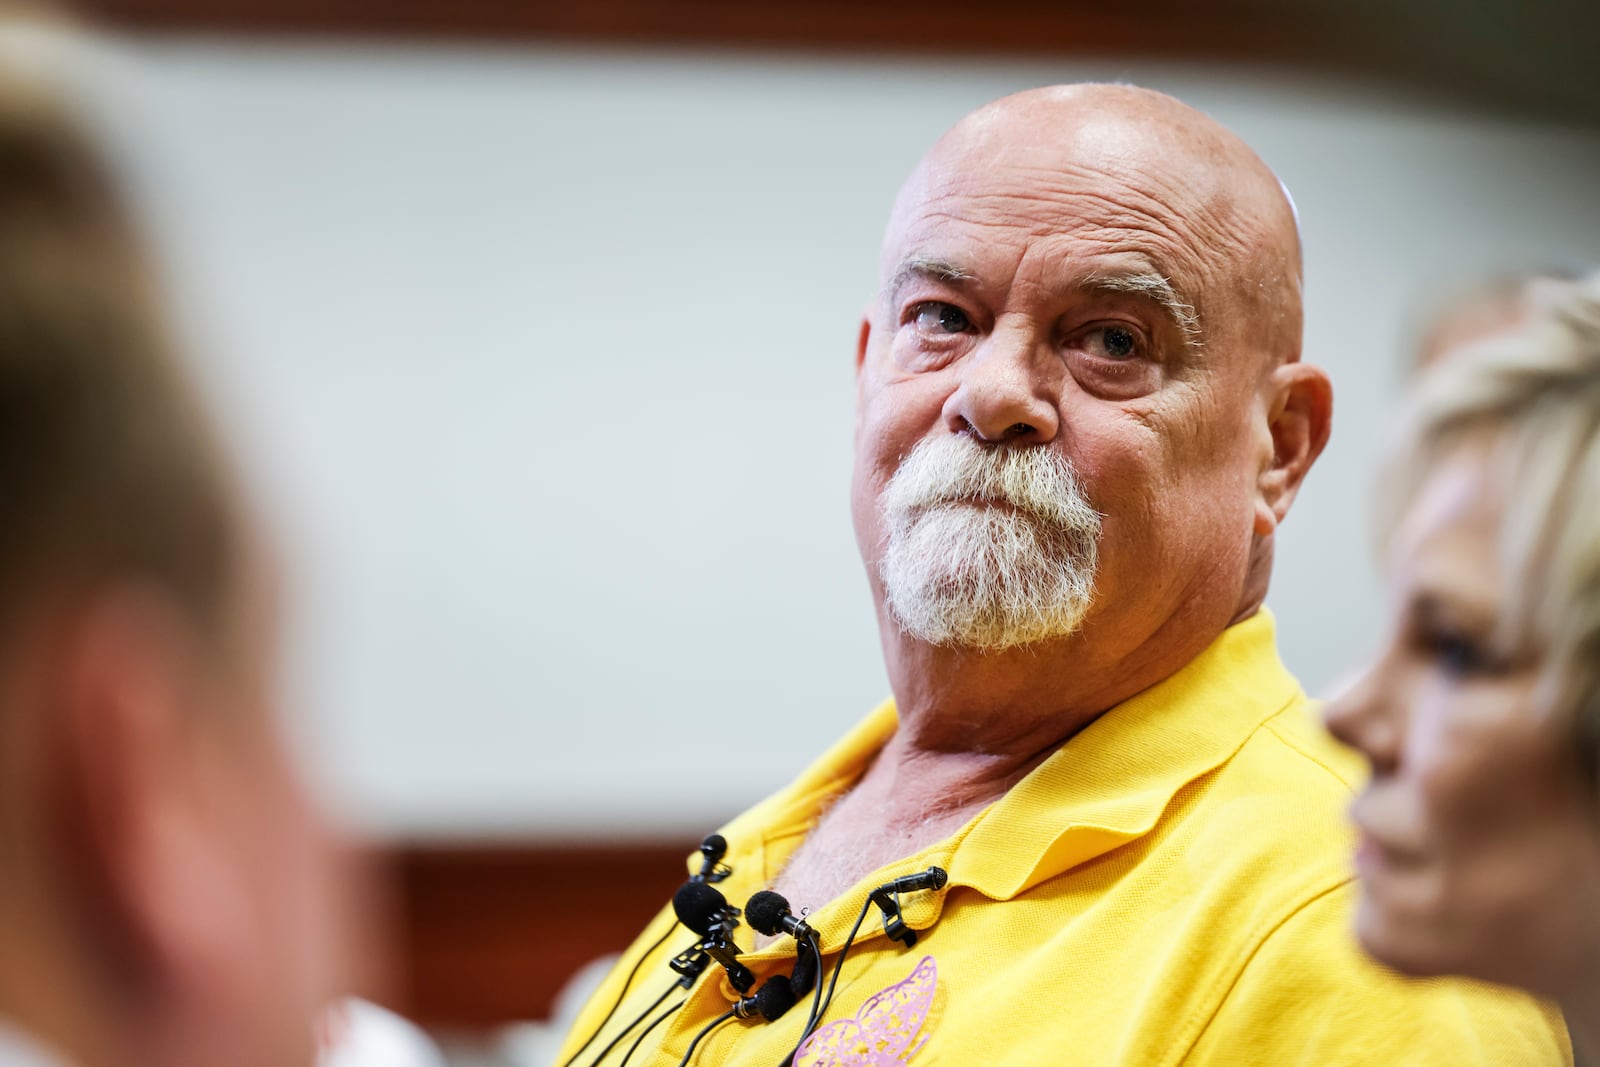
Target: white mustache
{"points": [[952, 469]]}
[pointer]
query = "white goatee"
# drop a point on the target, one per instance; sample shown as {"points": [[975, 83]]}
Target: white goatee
{"points": [[987, 546]]}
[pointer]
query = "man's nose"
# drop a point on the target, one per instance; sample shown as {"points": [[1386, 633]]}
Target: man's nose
{"points": [[1363, 716], [1009, 392]]}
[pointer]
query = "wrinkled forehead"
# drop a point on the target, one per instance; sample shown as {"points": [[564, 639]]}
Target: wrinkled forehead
{"points": [[1162, 187], [1167, 196]]}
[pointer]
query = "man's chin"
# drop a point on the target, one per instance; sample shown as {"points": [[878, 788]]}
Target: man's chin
{"points": [[985, 579], [982, 628]]}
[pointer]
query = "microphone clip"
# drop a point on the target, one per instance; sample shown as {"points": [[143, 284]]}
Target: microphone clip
{"points": [[894, 922], [690, 964], [887, 898], [719, 945]]}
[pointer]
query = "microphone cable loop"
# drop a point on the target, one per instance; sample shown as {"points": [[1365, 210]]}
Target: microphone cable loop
{"points": [[815, 948]]}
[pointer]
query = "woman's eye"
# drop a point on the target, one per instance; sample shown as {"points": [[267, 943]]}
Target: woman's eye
{"points": [[1459, 656], [936, 317], [1456, 655], [1111, 342]]}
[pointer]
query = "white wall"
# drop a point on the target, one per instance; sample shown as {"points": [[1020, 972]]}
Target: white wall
{"points": [[543, 360]]}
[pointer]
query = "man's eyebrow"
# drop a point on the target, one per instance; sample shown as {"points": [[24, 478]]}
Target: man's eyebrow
{"points": [[1155, 287], [926, 267]]}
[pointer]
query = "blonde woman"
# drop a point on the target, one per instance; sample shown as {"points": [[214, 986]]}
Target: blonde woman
{"points": [[1479, 834]]}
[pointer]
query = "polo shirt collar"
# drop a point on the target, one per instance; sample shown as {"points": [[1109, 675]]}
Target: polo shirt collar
{"points": [[1110, 783]]}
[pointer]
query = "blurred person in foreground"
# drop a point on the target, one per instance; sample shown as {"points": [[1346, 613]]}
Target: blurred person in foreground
{"points": [[168, 898], [1081, 418], [1479, 833]]}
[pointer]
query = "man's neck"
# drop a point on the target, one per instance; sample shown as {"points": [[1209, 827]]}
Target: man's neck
{"points": [[996, 712], [907, 800], [971, 726]]}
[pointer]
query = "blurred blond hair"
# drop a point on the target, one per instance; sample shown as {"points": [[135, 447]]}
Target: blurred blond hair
{"points": [[1529, 395], [1491, 307]]}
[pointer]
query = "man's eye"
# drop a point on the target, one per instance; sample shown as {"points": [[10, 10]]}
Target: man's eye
{"points": [[1111, 342], [936, 317]]}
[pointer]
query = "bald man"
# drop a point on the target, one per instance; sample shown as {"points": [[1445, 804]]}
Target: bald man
{"points": [[1081, 418]]}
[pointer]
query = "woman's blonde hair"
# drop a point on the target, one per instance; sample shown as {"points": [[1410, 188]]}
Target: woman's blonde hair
{"points": [[1530, 397]]}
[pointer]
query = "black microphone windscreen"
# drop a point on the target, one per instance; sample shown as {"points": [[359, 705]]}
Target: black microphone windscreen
{"points": [[765, 912], [774, 998], [697, 905]]}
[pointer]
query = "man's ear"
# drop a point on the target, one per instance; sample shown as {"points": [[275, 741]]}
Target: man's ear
{"points": [[1299, 401], [152, 883], [864, 338]]}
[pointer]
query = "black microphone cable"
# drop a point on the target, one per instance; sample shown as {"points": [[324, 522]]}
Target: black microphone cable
{"points": [[657, 1021], [626, 985], [819, 1009], [712, 869], [770, 1002], [932, 878], [704, 1030], [769, 913], [816, 993], [637, 1020]]}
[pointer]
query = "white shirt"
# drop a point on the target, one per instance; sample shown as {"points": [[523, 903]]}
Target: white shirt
{"points": [[19, 1050], [369, 1037], [356, 1033]]}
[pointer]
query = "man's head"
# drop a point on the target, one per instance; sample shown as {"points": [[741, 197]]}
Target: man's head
{"points": [[1091, 294], [165, 893]]}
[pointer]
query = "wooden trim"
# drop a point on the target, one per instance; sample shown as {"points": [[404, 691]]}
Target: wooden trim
{"points": [[1498, 54], [940, 26], [490, 934]]}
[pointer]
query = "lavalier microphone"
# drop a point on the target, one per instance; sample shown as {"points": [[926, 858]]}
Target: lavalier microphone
{"points": [[768, 913], [712, 869], [775, 997]]}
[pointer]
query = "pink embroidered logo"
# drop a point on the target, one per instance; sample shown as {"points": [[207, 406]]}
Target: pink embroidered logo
{"points": [[883, 1031]]}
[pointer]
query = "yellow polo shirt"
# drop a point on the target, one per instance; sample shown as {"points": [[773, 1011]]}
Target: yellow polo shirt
{"points": [[1171, 886]]}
